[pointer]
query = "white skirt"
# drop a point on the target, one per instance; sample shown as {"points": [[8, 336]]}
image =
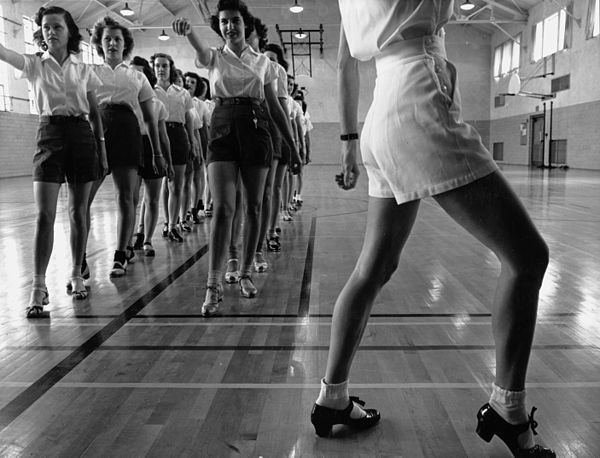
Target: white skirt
{"points": [[414, 142]]}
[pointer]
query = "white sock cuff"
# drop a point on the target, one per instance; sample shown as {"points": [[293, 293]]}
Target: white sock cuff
{"points": [[507, 397], [334, 391]]}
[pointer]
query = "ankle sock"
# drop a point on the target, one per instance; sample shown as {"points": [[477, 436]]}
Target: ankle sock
{"points": [[214, 277], [246, 271], [336, 396], [76, 270], [39, 281], [510, 405]]}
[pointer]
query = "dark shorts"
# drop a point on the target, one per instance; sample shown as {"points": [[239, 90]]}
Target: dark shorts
{"points": [[180, 144], [66, 149], [146, 171], [235, 137], [123, 137]]}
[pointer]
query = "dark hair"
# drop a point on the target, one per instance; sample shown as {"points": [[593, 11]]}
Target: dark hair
{"points": [[74, 35], [207, 84], [172, 69], [111, 24], [275, 48], [261, 32], [234, 5], [179, 74], [300, 98], [137, 60], [199, 82]]}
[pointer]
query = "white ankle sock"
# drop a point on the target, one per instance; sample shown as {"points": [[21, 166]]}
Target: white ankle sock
{"points": [[335, 396], [39, 281], [214, 277], [510, 405], [76, 271]]}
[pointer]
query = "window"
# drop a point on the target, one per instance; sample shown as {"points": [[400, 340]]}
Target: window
{"points": [[29, 28], [552, 34], [593, 21], [5, 102], [89, 55], [507, 56]]}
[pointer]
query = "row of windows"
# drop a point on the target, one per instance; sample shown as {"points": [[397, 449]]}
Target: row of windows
{"points": [[88, 55], [548, 36]]}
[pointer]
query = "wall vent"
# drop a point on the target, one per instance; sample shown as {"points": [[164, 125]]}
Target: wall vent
{"points": [[561, 84], [499, 101]]}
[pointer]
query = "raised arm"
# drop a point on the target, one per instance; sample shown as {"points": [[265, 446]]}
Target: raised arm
{"points": [[348, 92], [183, 27], [12, 58]]}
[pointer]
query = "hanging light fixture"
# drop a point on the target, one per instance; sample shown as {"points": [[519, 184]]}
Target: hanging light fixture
{"points": [[467, 6], [300, 34], [295, 8], [163, 36], [127, 11]]}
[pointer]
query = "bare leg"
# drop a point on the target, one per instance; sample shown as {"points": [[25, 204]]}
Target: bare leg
{"points": [[222, 179], [236, 223], [150, 207], [254, 178], [165, 198], [45, 196], [125, 179], [266, 204], [280, 174], [489, 209], [175, 190], [79, 195], [186, 192], [388, 227]]}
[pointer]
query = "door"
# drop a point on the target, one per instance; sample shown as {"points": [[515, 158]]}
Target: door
{"points": [[536, 155]]}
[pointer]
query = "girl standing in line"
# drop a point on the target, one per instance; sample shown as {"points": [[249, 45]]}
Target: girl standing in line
{"points": [[181, 136], [415, 144], [122, 91], [151, 177], [63, 88], [239, 136]]}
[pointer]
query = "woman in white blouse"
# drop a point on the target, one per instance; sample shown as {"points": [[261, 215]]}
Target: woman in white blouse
{"points": [[415, 144], [240, 141], [122, 92]]}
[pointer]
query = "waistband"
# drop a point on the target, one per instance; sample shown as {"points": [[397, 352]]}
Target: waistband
{"points": [[61, 119], [115, 107], [237, 101], [410, 49], [174, 124]]}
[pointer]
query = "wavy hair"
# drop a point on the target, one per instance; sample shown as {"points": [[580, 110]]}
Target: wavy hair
{"points": [[74, 35], [108, 23], [172, 72], [234, 5], [146, 68], [275, 48], [199, 82]]}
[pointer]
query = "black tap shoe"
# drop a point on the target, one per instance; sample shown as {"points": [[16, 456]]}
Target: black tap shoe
{"points": [[489, 422], [323, 418]]}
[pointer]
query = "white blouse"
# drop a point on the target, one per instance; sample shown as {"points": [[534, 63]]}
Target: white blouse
{"points": [[233, 76], [370, 26], [123, 86], [177, 100], [59, 89]]}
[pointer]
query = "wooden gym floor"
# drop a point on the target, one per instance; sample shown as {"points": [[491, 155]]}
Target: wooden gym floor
{"points": [[135, 370]]}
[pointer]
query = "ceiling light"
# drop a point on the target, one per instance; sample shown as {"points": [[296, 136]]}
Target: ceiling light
{"points": [[295, 8], [300, 34], [163, 36], [127, 11], [467, 6]]}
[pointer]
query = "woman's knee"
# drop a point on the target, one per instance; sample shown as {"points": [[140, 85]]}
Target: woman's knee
{"points": [[45, 217], [532, 262]]}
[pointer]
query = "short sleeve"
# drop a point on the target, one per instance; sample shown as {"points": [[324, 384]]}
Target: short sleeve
{"points": [[160, 110], [29, 69], [146, 92], [189, 105], [270, 73]]}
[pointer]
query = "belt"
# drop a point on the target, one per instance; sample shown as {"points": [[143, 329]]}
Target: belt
{"points": [[62, 119], [173, 124], [237, 101], [115, 107]]}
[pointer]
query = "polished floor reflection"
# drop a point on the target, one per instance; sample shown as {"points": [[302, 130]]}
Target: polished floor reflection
{"points": [[135, 370]]}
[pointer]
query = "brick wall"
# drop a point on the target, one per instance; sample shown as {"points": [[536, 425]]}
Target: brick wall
{"points": [[17, 143], [578, 124]]}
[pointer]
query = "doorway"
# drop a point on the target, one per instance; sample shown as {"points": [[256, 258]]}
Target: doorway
{"points": [[538, 141]]}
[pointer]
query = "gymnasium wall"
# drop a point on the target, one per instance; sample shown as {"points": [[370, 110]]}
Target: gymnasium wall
{"points": [[575, 111]]}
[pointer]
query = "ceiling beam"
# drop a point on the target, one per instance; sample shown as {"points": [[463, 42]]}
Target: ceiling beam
{"points": [[508, 9], [110, 12]]}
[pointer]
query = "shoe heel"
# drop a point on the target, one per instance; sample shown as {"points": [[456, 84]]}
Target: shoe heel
{"points": [[484, 430], [323, 430]]}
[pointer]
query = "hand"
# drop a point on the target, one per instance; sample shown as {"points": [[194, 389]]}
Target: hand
{"points": [[170, 172], [195, 150], [349, 176], [159, 165], [182, 26], [296, 164]]}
